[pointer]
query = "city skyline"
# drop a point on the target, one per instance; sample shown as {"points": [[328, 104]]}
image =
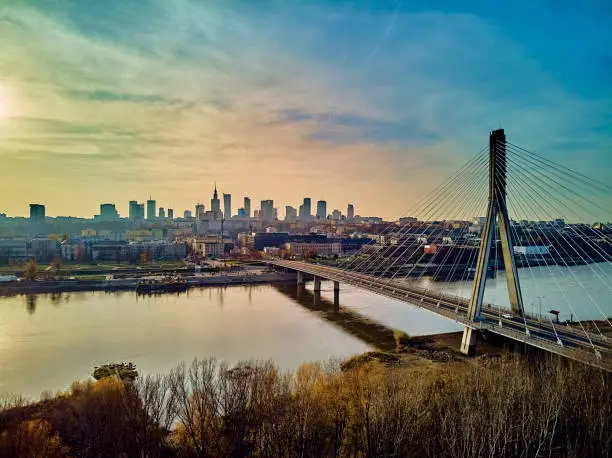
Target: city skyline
{"points": [[153, 206], [371, 102]]}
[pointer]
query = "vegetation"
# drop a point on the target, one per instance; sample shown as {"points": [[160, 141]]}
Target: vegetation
{"points": [[505, 407], [402, 340], [124, 371], [29, 271]]}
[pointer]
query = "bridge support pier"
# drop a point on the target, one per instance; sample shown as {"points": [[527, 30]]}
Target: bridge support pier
{"points": [[468, 342], [317, 284], [300, 278], [336, 295]]}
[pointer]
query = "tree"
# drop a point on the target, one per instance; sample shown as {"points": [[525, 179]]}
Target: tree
{"points": [[30, 269], [56, 263]]}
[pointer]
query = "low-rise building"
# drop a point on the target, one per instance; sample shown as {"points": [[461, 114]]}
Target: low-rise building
{"points": [[313, 249]]}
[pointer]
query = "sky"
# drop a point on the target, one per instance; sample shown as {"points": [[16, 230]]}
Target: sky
{"points": [[372, 102]]}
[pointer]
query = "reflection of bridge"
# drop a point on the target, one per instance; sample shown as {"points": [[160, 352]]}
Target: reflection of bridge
{"points": [[371, 332], [374, 270]]}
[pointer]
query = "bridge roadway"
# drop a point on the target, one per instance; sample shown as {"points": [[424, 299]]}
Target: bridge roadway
{"points": [[560, 339]]}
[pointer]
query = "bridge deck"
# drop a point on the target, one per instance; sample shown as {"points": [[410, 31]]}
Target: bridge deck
{"points": [[563, 340]]}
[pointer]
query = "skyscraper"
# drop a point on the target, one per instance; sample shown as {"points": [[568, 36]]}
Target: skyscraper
{"points": [[215, 204], [170, 213], [290, 213], [321, 209], [267, 210], [227, 206], [162, 213], [199, 211], [141, 212], [133, 210], [108, 212], [305, 210], [151, 209], [350, 212], [37, 213], [187, 214], [247, 207]]}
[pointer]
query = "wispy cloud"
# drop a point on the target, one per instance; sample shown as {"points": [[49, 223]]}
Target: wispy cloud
{"points": [[127, 97]]}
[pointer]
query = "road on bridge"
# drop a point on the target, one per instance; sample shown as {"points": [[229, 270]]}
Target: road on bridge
{"points": [[564, 340]]}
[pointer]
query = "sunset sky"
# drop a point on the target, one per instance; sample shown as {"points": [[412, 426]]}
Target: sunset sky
{"points": [[369, 101]]}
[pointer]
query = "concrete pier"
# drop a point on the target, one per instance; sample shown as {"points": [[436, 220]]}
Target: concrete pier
{"points": [[300, 278], [336, 295], [468, 342], [317, 284]]}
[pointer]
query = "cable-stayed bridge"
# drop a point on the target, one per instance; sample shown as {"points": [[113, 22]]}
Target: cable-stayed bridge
{"points": [[543, 230]]}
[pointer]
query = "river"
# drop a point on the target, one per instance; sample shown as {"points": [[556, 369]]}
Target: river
{"points": [[49, 341]]}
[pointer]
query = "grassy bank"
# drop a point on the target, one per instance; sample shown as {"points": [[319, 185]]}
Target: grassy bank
{"points": [[502, 407]]}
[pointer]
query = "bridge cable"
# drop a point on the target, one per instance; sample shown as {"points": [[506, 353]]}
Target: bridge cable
{"points": [[522, 184]]}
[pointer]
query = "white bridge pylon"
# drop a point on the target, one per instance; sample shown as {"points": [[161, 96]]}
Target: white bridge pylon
{"points": [[496, 210]]}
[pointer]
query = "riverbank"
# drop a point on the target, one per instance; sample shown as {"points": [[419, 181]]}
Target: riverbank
{"points": [[129, 284]]}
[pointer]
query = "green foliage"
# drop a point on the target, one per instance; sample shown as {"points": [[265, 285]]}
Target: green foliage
{"points": [[402, 339]]}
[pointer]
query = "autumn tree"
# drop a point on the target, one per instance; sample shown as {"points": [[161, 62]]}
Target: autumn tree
{"points": [[30, 269]]}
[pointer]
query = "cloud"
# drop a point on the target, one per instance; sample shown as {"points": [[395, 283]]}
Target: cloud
{"points": [[168, 94]]}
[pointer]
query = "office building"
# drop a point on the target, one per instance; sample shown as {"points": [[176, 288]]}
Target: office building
{"points": [[162, 213], [267, 210], [275, 214], [337, 215], [187, 214], [151, 209], [242, 213], [170, 213], [136, 210], [108, 212], [247, 207], [133, 210], [199, 211], [290, 213], [227, 206], [256, 213], [141, 211], [305, 209], [321, 209], [350, 212], [37, 213]]}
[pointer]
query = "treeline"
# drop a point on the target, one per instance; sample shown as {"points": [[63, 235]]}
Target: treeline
{"points": [[504, 408]]}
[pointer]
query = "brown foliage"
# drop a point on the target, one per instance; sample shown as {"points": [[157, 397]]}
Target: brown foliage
{"points": [[507, 408]]}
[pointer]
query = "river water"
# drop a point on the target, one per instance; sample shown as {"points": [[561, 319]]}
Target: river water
{"points": [[47, 342]]}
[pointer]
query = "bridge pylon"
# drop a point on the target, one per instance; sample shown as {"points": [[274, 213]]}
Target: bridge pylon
{"points": [[497, 210]]}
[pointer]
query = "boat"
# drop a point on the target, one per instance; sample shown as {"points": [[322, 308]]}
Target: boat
{"points": [[163, 284]]}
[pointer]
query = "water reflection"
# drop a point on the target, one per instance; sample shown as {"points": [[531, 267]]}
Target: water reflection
{"points": [[31, 300], [368, 331], [62, 342]]}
